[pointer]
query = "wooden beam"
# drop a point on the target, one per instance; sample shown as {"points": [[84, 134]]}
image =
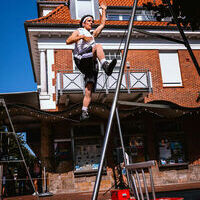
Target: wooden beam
{"points": [[148, 105]]}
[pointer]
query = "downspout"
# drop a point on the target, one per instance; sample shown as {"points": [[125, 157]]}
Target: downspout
{"points": [[29, 48]]}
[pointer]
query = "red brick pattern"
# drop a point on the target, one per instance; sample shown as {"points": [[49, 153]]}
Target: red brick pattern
{"points": [[184, 96], [63, 60], [149, 59], [128, 2]]}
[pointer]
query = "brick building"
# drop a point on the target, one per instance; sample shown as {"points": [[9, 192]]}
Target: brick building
{"points": [[157, 72]]}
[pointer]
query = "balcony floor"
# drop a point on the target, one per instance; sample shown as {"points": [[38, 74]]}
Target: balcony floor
{"points": [[102, 97]]}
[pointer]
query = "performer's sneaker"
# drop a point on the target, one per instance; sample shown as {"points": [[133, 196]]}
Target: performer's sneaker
{"points": [[84, 115], [35, 194], [108, 68]]}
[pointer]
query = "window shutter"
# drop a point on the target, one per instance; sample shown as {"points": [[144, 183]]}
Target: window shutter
{"points": [[170, 68]]}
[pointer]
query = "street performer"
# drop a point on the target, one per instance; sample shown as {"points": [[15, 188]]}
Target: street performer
{"points": [[86, 52]]}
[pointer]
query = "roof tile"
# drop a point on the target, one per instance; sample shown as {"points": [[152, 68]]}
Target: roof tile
{"points": [[61, 15], [120, 3], [128, 2]]}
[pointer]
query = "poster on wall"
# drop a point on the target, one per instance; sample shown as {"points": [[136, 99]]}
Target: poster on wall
{"points": [[164, 151], [87, 157], [170, 152]]}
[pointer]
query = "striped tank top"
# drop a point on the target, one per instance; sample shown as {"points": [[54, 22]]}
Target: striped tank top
{"points": [[82, 48]]}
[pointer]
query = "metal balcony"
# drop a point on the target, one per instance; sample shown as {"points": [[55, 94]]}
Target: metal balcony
{"points": [[72, 82]]}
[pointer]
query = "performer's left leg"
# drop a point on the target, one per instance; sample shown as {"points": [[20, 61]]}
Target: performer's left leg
{"points": [[86, 101]]}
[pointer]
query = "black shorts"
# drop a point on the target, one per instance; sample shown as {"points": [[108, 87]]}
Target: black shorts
{"points": [[88, 67]]}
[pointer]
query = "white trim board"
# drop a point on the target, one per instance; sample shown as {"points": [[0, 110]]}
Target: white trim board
{"points": [[114, 44], [70, 30]]}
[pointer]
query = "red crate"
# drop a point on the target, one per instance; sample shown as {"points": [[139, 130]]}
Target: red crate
{"points": [[120, 194]]}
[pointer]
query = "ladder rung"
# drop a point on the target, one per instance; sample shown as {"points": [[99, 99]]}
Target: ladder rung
{"points": [[7, 132], [7, 161]]}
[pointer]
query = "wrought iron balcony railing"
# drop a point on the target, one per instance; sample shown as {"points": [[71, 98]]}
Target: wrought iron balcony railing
{"points": [[133, 80]]}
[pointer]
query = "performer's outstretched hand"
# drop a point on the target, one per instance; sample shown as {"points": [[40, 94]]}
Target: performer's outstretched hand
{"points": [[103, 6]]}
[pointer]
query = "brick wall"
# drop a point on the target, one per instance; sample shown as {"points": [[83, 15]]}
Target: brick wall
{"points": [[164, 180], [149, 59], [184, 96], [63, 61]]}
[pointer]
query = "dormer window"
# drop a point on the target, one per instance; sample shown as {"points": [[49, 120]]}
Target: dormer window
{"points": [[118, 17], [84, 7], [124, 15]]}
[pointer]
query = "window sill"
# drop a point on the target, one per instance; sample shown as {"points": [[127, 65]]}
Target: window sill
{"points": [[174, 166], [173, 86], [92, 172]]}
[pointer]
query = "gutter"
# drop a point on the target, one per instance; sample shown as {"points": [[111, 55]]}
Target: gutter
{"points": [[52, 2], [29, 48], [121, 7], [50, 25]]}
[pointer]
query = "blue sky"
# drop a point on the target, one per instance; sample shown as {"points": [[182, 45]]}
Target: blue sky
{"points": [[15, 69]]}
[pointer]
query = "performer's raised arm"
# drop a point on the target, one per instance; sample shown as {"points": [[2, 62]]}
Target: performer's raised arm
{"points": [[98, 30]]}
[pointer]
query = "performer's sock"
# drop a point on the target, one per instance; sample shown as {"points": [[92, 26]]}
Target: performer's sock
{"points": [[85, 108], [102, 61]]}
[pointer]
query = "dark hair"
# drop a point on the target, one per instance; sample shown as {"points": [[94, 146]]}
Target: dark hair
{"points": [[82, 19]]}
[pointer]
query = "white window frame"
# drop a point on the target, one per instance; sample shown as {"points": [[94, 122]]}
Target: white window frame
{"points": [[115, 51], [75, 68], [109, 59], [46, 11], [166, 62], [76, 7], [141, 15]]}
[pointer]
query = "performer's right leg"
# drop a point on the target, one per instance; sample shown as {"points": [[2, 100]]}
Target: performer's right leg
{"points": [[99, 53]]}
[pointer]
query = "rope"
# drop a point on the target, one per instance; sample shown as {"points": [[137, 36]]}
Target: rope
{"points": [[44, 113], [21, 179], [118, 53]]}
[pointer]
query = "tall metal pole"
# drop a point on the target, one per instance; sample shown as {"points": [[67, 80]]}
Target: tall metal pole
{"points": [[113, 108], [187, 45], [126, 159]]}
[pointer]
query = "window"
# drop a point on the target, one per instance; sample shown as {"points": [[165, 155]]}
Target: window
{"points": [[171, 150], [134, 142], [144, 15], [170, 68], [111, 54], [62, 150], [134, 147], [88, 154], [88, 146], [118, 17], [141, 15], [171, 140], [126, 17], [84, 7], [112, 17], [46, 11]]}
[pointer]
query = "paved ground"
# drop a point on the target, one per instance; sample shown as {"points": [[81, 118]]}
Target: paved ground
{"points": [[186, 194], [73, 196]]}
